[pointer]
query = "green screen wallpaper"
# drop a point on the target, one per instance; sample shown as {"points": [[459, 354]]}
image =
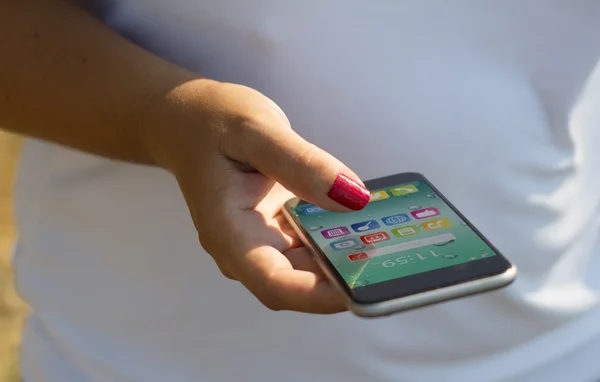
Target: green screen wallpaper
{"points": [[406, 229]]}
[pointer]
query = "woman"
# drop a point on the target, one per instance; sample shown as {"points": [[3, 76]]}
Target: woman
{"points": [[496, 102]]}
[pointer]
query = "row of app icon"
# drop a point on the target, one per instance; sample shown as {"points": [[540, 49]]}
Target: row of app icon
{"points": [[377, 237], [402, 190], [369, 225]]}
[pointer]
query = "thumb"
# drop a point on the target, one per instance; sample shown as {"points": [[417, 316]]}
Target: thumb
{"points": [[309, 172]]}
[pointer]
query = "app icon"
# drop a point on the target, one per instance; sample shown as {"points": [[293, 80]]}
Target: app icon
{"points": [[365, 226], [335, 232], [425, 213], [375, 238], [395, 219], [379, 195], [432, 225], [406, 231], [344, 244], [311, 209], [358, 256], [405, 189]]}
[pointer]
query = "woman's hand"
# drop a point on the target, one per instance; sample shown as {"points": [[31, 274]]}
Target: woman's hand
{"points": [[68, 79], [237, 161]]}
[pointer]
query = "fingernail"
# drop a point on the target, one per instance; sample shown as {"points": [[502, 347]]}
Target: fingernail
{"points": [[348, 193]]}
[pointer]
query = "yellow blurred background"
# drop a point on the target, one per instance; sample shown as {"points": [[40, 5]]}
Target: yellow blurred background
{"points": [[12, 310]]}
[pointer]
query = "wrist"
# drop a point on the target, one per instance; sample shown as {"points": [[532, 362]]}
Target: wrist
{"points": [[175, 128]]}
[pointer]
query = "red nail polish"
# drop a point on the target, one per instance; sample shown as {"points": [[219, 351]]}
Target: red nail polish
{"points": [[348, 193]]}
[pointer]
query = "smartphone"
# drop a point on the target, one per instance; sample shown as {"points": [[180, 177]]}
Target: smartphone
{"points": [[408, 248]]}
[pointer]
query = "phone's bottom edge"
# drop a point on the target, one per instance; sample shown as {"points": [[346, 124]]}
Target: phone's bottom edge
{"points": [[419, 300]]}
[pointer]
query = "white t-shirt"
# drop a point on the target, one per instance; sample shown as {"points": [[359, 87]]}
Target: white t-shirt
{"points": [[497, 102]]}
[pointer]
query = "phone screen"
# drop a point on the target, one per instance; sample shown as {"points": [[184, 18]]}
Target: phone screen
{"points": [[405, 230]]}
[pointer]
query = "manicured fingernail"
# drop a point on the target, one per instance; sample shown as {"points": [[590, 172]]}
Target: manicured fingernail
{"points": [[348, 193]]}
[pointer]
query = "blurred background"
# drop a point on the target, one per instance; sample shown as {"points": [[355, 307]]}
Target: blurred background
{"points": [[12, 310]]}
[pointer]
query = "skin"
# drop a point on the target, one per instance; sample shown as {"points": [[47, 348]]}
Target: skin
{"points": [[68, 79]]}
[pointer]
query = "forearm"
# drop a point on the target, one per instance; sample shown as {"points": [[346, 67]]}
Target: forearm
{"points": [[67, 78]]}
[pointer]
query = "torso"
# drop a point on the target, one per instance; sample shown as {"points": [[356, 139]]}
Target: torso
{"points": [[497, 103]]}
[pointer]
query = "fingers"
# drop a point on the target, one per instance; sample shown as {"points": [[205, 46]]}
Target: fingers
{"points": [[271, 204], [271, 278], [287, 232], [302, 259], [309, 172], [263, 139]]}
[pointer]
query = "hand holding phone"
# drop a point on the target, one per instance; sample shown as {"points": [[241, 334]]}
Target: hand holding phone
{"points": [[409, 247]]}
